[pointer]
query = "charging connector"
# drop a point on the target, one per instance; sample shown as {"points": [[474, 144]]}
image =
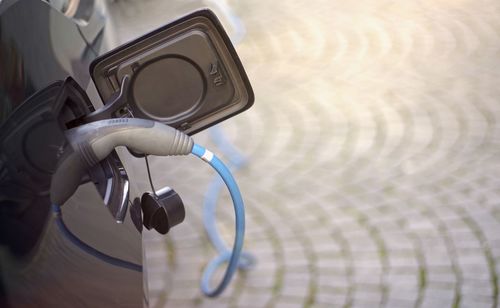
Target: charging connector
{"points": [[93, 142]]}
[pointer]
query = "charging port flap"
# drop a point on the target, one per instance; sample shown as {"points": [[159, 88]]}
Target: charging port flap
{"points": [[185, 74]]}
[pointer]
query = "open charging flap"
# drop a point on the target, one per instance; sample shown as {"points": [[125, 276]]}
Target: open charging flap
{"points": [[185, 74]]}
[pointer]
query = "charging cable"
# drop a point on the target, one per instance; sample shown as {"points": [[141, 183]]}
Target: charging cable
{"points": [[236, 161], [94, 141], [239, 212], [87, 248], [236, 23]]}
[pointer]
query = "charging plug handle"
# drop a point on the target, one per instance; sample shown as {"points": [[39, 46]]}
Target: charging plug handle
{"points": [[92, 142]]}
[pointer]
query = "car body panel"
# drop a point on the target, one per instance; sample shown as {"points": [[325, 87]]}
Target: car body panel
{"points": [[40, 48]]}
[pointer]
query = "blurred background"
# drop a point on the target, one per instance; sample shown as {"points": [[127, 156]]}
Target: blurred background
{"points": [[372, 155]]}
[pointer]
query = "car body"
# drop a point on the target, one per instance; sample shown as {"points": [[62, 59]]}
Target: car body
{"points": [[42, 51]]}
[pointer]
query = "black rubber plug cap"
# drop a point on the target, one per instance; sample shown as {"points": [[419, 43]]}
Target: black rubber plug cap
{"points": [[163, 210]]}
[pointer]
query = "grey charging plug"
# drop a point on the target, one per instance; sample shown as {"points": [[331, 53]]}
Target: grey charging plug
{"points": [[93, 142]]}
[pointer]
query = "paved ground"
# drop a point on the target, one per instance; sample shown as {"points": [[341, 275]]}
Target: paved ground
{"points": [[374, 159]]}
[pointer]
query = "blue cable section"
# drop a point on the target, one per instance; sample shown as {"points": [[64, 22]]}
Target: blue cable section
{"points": [[89, 249], [239, 210], [236, 22], [236, 161]]}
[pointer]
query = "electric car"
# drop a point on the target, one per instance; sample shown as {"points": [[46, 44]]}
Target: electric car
{"points": [[54, 77]]}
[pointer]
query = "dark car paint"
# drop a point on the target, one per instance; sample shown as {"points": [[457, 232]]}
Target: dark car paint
{"points": [[40, 47]]}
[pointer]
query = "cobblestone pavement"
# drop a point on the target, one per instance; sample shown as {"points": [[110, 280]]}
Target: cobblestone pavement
{"points": [[373, 152]]}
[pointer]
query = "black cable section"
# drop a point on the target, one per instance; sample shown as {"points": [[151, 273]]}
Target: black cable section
{"points": [[89, 46], [149, 175], [89, 249]]}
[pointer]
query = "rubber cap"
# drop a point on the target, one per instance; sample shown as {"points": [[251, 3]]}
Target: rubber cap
{"points": [[163, 210]]}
